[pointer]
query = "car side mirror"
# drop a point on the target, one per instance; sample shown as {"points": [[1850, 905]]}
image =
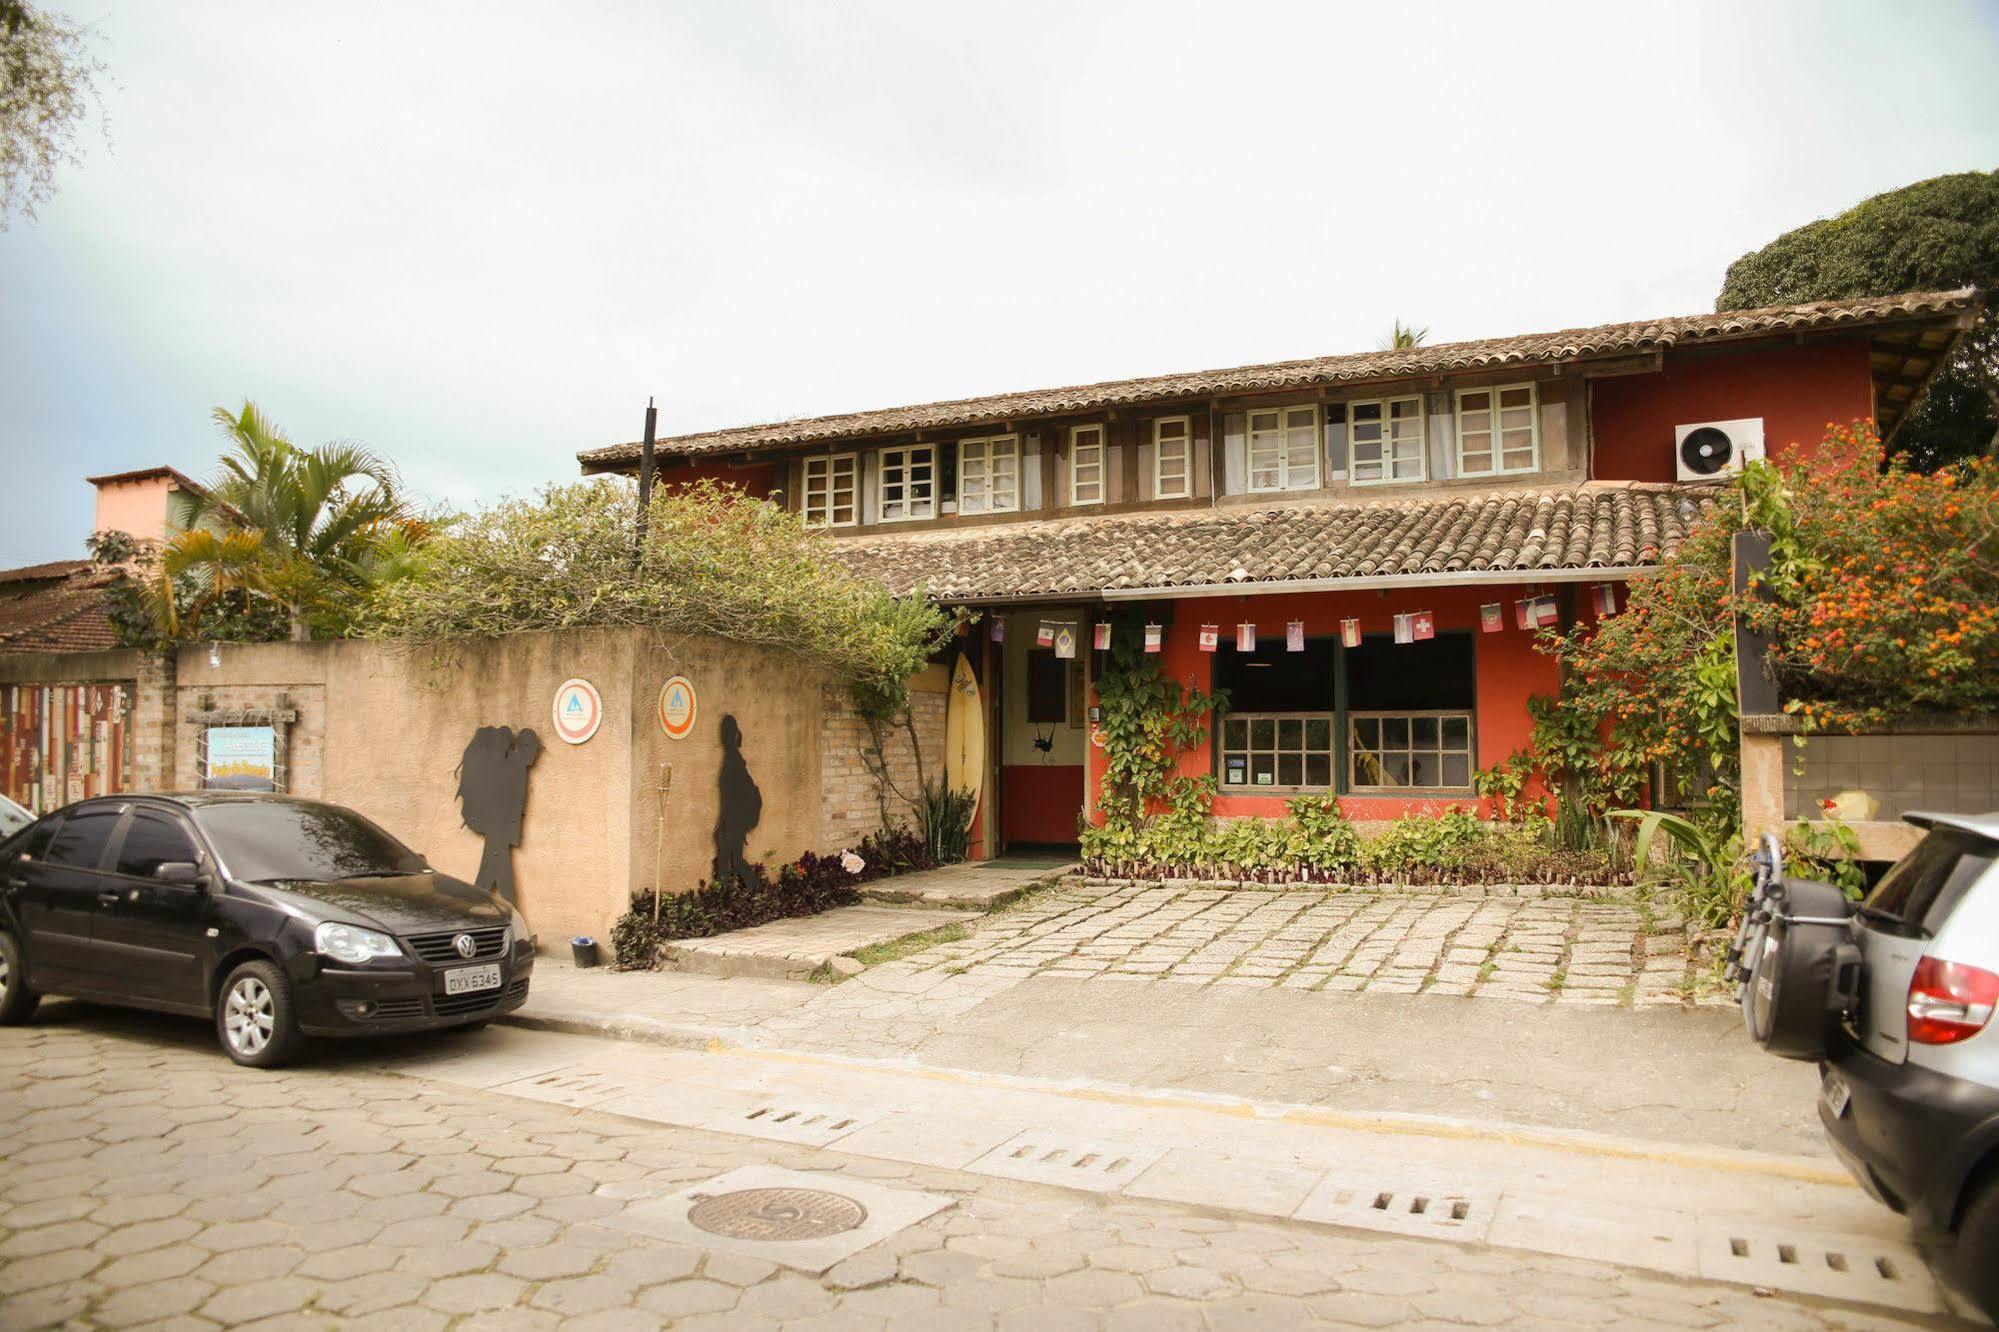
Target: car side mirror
{"points": [[184, 873]]}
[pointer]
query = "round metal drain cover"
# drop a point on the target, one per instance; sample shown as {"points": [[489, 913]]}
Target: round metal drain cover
{"points": [[777, 1214]]}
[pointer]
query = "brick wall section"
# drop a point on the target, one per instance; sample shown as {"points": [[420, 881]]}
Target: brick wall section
{"points": [[305, 749], [153, 767], [848, 788]]}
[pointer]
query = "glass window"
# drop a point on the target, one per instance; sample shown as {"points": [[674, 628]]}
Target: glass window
{"points": [[1278, 731], [273, 840], [989, 475], [153, 840], [1498, 430], [1172, 457], [1283, 448], [1411, 710], [83, 837], [831, 488], [1385, 440], [1086, 464], [1047, 686], [1926, 884], [1422, 750], [908, 484]]}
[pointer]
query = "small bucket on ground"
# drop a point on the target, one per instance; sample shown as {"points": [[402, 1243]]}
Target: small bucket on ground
{"points": [[584, 949]]}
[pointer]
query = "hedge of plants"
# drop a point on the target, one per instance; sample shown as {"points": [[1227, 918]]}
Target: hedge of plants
{"points": [[805, 887], [1314, 843]]}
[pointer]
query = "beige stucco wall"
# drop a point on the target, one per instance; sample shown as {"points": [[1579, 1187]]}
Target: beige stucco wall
{"points": [[136, 508]]}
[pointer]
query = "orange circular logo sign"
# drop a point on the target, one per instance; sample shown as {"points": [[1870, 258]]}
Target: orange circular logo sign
{"points": [[679, 707]]}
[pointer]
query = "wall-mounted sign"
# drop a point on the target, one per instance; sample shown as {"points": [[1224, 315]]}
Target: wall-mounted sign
{"points": [[241, 758], [679, 707], [578, 711]]}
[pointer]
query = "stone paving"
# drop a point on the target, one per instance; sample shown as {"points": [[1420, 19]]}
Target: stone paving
{"points": [[148, 1182], [1526, 949]]}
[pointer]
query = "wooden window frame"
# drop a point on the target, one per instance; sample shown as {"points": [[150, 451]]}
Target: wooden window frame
{"points": [[1186, 443], [1387, 461], [905, 464], [1356, 786], [831, 504], [1223, 749], [1101, 447], [1284, 460], [1493, 432], [991, 446]]}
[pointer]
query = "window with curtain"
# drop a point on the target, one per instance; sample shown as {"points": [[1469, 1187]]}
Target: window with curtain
{"points": [[989, 475], [1283, 448]]}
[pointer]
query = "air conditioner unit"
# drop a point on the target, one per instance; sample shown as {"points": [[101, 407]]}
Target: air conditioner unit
{"points": [[1711, 450]]}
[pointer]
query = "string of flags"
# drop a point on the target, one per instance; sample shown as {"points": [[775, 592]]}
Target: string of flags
{"points": [[1530, 613]]}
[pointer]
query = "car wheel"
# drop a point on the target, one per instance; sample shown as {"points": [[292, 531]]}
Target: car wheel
{"points": [[17, 1001], [254, 1017], [1976, 1258]]}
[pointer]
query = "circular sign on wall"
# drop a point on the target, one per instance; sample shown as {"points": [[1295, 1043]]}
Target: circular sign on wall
{"points": [[578, 710], [679, 706]]}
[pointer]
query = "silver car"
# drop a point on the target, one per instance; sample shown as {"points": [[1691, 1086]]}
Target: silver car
{"points": [[1911, 1103]]}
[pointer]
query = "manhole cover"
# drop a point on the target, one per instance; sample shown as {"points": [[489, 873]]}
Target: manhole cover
{"points": [[777, 1214]]}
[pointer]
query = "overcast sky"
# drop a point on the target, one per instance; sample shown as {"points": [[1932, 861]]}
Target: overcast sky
{"points": [[476, 237]]}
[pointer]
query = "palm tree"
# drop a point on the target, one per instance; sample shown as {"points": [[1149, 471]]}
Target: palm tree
{"points": [[311, 530], [1404, 337]]}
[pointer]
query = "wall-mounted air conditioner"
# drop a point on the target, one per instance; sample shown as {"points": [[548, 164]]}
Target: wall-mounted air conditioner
{"points": [[1710, 450]]}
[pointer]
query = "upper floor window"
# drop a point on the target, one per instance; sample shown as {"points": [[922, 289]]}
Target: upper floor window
{"points": [[1499, 430], [1284, 448], [908, 485], [989, 475], [1385, 440], [832, 490], [1172, 457], [1086, 464]]}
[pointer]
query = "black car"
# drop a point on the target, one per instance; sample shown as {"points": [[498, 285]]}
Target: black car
{"points": [[279, 918]]}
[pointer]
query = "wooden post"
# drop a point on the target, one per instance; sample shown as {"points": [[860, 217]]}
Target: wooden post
{"points": [[645, 481]]}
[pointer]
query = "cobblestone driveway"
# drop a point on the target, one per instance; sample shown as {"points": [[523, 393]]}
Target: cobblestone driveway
{"points": [[1542, 949], [147, 1182]]}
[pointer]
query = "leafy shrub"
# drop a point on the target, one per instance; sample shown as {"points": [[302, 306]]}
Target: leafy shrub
{"points": [[809, 885]]}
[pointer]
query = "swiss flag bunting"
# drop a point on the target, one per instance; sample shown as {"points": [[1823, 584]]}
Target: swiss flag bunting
{"points": [[1422, 625]]}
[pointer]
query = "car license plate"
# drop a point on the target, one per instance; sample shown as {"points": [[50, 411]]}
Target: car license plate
{"points": [[471, 980], [1834, 1093]]}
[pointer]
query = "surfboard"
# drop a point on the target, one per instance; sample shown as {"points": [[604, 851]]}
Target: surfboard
{"points": [[965, 732]]}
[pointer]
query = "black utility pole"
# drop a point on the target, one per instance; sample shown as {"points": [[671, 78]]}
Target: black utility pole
{"points": [[645, 479]]}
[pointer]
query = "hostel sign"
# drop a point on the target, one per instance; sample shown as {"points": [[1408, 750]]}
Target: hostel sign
{"points": [[679, 707], [579, 710]]}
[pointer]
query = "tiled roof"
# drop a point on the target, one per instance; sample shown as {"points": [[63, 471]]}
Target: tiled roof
{"points": [[1490, 353], [1591, 525], [39, 573], [74, 615]]}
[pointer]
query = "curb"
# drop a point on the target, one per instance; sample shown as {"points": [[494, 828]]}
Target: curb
{"points": [[619, 1029]]}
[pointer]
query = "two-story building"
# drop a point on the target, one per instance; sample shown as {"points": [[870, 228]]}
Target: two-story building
{"points": [[1358, 548]]}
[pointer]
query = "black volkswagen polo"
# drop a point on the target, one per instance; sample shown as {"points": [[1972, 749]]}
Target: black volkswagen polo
{"points": [[278, 918]]}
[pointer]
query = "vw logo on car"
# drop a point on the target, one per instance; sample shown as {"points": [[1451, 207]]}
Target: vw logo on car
{"points": [[466, 945]]}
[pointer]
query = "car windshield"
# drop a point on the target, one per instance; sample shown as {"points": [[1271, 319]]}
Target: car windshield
{"points": [[265, 840]]}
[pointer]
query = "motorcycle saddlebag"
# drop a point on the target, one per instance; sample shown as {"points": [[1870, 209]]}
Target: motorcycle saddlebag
{"points": [[1805, 976]]}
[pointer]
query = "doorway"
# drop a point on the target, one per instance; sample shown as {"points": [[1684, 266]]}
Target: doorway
{"points": [[1043, 732]]}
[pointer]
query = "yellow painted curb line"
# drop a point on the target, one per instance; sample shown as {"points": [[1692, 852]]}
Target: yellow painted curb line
{"points": [[1580, 1144]]}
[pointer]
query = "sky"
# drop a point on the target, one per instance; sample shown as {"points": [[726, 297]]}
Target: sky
{"points": [[477, 237]]}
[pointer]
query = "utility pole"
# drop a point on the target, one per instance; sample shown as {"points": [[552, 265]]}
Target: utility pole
{"points": [[645, 481]]}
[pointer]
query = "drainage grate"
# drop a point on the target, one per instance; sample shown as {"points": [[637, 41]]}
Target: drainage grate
{"points": [[1861, 1268], [777, 1214], [1401, 1208], [574, 1087], [814, 1125], [1077, 1163]]}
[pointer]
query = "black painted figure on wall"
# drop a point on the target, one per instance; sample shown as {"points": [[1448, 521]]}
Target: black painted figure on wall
{"points": [[493, 799], [742, 808]]}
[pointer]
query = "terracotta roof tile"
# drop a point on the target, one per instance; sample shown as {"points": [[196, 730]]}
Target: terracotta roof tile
{"points": [[71, 616], [1593, 525], [37, 573], [1489, 353]]}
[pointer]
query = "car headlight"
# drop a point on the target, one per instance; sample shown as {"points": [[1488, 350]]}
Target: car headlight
{"points": [[352, 944], [519, 924]]}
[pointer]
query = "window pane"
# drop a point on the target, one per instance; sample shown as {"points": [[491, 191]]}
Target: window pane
{"points": [[1319, 734], [1516, 397], [1395, 732], [82, 839], [1474, 402], [1456, 771], [1290, 733], [1367, 732], [1262, 733], [1318, 770], [1457, 732], [152, 842], [1290, 770], [1423, 732], [1394, 770], [1262, 769]]}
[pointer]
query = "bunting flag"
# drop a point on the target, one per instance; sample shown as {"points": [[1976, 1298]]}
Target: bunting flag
{"points": [[1102, 641], [1245, 638], [1492, 617], [1211, 635], [1294, 636], [1045, 635], [1153, 635], [1405, 630], [1350, 633], [1523, 613], [1606, 599], [1065, 641], [999, 629], [1545, 614], [1422, 625]]}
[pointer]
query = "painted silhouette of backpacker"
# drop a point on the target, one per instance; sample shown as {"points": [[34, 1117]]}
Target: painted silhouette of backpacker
{"points": [[493, 799], [741, 809]]}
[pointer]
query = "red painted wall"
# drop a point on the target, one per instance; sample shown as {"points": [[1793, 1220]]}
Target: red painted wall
{"points": [[1508, 668], [1796, 390], [755, 479], [1039, 803]]}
